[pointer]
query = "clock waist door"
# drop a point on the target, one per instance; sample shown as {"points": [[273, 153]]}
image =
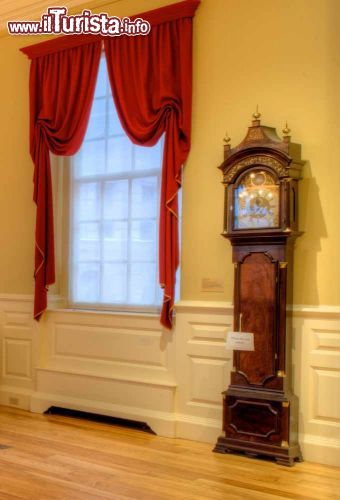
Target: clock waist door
{"points": [[255, 312]]}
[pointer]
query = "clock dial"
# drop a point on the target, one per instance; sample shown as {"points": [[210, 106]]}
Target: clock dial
{"points": [[256, 201]]}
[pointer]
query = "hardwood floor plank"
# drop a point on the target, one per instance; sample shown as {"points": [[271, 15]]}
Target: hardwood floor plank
{"points": [[51, 457]]}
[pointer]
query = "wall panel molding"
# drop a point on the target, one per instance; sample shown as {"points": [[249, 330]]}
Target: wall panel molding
{"points": [[19, 348], [17, 358], [113, 345]]}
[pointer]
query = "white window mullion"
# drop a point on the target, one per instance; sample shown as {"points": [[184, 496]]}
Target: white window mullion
{"points": [[102, 193], [72, 231], [156, 285]]}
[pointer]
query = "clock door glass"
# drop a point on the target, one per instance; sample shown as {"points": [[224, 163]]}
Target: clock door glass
{"points": [[256, 201]]}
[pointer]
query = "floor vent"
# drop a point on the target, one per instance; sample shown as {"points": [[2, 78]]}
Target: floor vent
{"points": [[122, 422]]}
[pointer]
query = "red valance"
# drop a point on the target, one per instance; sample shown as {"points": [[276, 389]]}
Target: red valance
{"points": [[156, 16]]}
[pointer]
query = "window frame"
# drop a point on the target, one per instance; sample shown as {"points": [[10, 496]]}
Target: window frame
{"points": [[60, 291], [104, 178]]}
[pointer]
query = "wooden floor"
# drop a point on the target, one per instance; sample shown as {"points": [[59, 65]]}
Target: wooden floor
{"points": [[54, 457]]}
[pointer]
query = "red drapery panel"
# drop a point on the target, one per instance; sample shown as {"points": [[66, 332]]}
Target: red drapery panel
{"points": [[151, 80], [61, 93]]}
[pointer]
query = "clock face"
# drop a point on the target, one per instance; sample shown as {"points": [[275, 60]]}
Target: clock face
{"points": [[256, 201]]}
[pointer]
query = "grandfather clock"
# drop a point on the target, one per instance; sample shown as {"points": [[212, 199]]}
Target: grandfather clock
{"points": [[261, 174]]}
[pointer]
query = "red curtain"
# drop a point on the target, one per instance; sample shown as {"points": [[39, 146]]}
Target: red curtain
{"points": [[151, 80], [61, 93]]}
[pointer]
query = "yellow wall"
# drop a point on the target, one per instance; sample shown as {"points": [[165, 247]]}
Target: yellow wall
{"points": [[283, 56]]}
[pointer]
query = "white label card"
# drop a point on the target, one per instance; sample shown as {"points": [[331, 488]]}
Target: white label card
{"points": [[240, 341]]}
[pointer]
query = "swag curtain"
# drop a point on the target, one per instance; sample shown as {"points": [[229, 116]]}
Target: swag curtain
{"points": [[151, 84], [151, 79], [61, 93]]}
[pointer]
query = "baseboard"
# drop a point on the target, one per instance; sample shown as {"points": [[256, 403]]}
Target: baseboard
{"points": [[162, 423], [167, 424], [205, 430], [139, 400], [320, 450]]}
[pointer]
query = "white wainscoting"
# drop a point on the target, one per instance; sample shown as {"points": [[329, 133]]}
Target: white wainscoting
{"points": [[203, 367], [115, 364], [18, 351], [316, 363], [126, 365]]}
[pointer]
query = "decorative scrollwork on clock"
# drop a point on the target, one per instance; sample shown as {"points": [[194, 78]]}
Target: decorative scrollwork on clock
{"points": [[266, 161]]}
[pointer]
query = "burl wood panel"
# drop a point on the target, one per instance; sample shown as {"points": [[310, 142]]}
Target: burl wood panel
{"points": [[253, 418], [257, 298]]}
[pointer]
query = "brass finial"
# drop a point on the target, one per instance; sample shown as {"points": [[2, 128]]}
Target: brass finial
{"points": [[257, 115], [286, 131], [227, 139]]}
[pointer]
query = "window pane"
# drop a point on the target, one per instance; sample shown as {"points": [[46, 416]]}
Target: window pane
{"points": [[142, 283], [115, 240], [159, 293], [96, 126], [88, 244], [114, 122], [102, 79], [88, 203], [91, 158], [116, 200], [144, 197], [119, 154], [143, 240], [115, 208], [147, 158], [114, 283], [86, 282]]}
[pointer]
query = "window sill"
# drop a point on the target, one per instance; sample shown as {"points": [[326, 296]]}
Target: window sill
{"points": [[58, 304], [104, 312], [113, 308]]}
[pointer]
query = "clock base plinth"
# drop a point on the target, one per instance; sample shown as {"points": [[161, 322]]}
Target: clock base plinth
{"points": [[260, 423], [283, 456]]}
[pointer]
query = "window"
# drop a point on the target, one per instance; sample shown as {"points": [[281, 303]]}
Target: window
{"points": [[114, 207]]}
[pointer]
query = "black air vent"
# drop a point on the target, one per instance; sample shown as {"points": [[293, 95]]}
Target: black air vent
{"points": [[122, 422]]}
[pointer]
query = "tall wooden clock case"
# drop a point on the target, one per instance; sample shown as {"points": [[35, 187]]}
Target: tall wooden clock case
{"points": [[261, 177]]}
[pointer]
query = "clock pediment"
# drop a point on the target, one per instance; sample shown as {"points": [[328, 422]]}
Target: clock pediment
{"points": [[268, 209], [263, 146]]}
